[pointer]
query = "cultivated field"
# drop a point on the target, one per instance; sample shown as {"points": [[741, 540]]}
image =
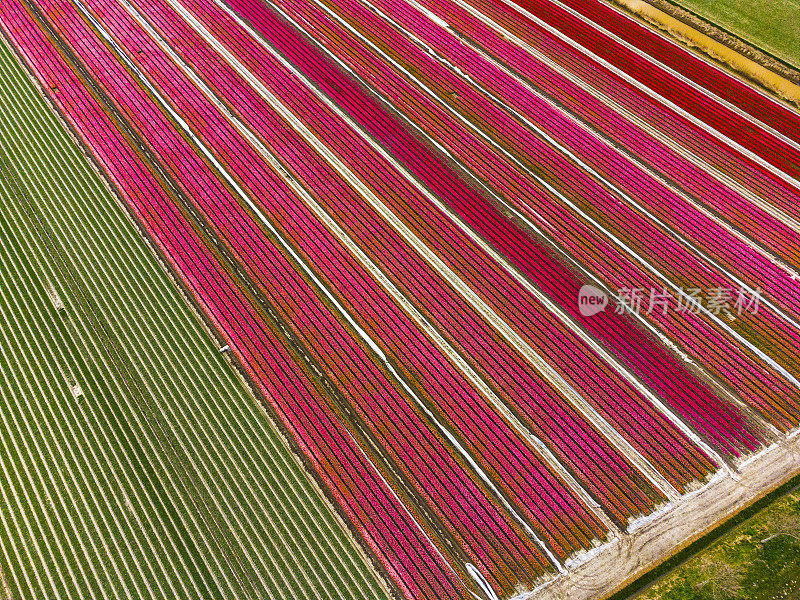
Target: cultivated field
{"points": [[519, 281], [135, 463]]}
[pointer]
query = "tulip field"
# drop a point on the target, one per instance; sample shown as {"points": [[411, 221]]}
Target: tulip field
{"points": [[381, 220]]}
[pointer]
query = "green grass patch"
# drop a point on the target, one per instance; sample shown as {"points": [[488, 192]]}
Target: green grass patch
{"points": [[771, 25]]}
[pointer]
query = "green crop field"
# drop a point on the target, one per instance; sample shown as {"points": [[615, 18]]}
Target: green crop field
{"points": [[772, 25], [134, 462]]}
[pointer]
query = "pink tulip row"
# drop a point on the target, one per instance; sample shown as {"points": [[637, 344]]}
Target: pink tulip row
{"points": [[742, 169], [650, 242], [776, 151], [465, 408], [454, 249]]}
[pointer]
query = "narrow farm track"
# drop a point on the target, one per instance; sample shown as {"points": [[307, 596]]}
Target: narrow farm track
{"points": [[114, 527], [392, 214]]}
